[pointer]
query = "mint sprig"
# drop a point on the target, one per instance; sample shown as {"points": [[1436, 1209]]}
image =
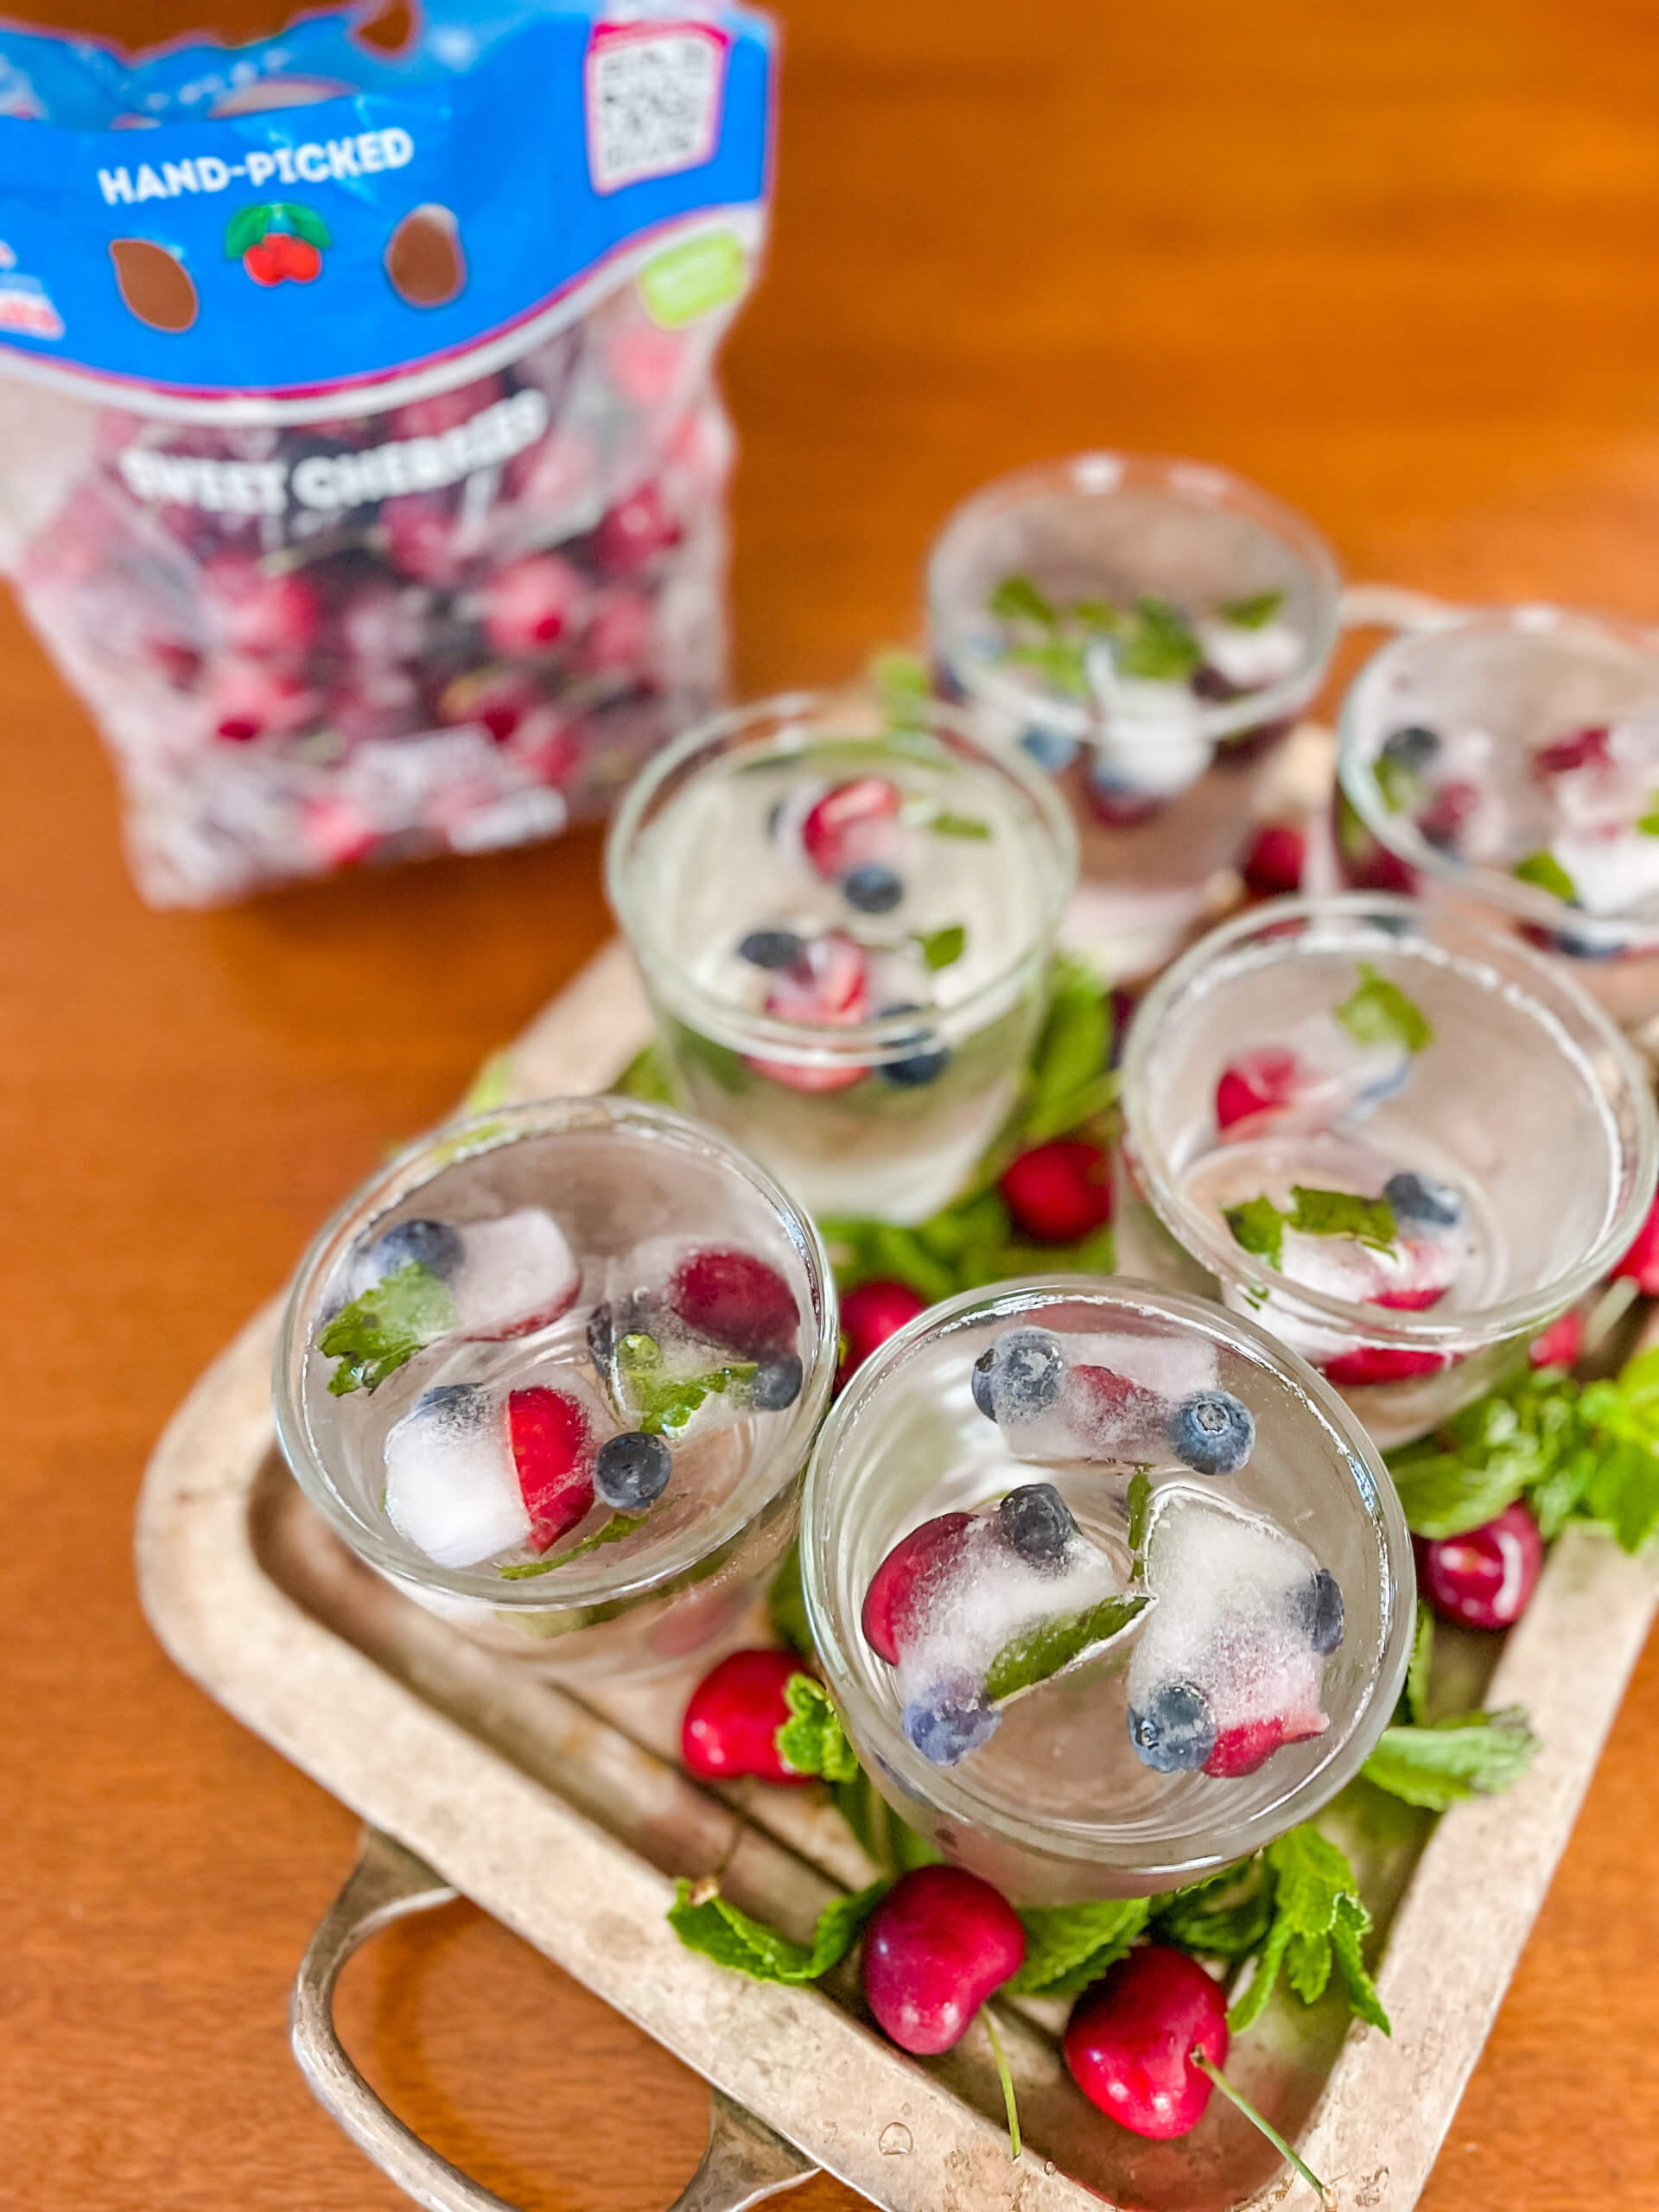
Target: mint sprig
{"points": [[1254, 612], [1545, 872], [944, 823], [1068, 1946], [664, 1404], [1379, 1013], [1043, 1651], [941, 948], [608, 1532], [706, 1922], [1464, 1755], [382, 1329], [1225, 1916], [1258, 1226], [1319, 1925], [1160, 646], [1017, 598], [812, 1739]]}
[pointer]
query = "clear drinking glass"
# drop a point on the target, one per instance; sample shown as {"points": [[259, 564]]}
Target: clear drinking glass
{"points": [[1056, 1803], [1376, 1051], [458, 1471], [1158, 714], [1505, 758], [844, 923]]}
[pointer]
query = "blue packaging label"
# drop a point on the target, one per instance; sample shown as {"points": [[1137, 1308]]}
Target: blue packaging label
{"points": [[285, 220]]}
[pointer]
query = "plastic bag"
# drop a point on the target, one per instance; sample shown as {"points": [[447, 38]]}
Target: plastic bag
{"points": [[364, 469]]}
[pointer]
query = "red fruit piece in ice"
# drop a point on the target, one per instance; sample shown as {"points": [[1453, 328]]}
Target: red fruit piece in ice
{"points": [[1274, 864], [529, 605], [1562, 1343], [735, 1300], [842, 828], [869, 1315], [1363, 1364], [1641, 1262], [828, 986], [730, 1728], [1442, 821], [1240, 1750], [251, 699], [1061, 1192], [1100, 1400], [1257, 1083], [1131, 2040], [553, 1451], [266, 616], [1583, 748], [905, 1583], [1415, 1300], [634, 531], [1485, 1578], [939, 1943]]}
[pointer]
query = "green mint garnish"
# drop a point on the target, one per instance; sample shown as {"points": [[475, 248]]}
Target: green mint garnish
{"points": [[665, 1403], [812, 1739], [1224, 1917], [383, 1329], [1319, 1920], [1259, 1227], [611, 1532], [1017, 598], [1096, 614], [901, 685], [1160, 646], [1033, 1655], [1068, 1946], [1379, 1012], [1140, 1517], [1544, 870], [1648, 823], [1466, 1755], [1253, 613], [946, 824], [1062, 662], [940, 948], [705, 1922], [1398, 782]]}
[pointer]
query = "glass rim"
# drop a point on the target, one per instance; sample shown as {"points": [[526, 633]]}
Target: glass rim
{"points": [[944, 1788], [1198, 1233], [887, 1036], [612, 1581], [1398, 834], [1100, 473]]}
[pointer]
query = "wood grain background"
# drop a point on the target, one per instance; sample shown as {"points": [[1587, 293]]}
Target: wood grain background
{"points": [[1397, 262]]}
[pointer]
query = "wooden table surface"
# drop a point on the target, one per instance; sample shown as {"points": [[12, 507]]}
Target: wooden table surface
{"points": [[1395, 262]]}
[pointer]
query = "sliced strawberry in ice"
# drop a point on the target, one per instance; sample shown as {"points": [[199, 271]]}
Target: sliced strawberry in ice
{"points": [[1249, 1744], [1257, 1082], [1584, 748], [1099, 1400], [552, 1445], [901, 1587], [842, 829], [1363, 1364], [737, 1300]]}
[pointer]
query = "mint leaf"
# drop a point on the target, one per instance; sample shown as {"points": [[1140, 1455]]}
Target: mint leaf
{"points": [[1319, 1920], [941, 948], [1062, 662], [1017, 598], [1254, 612], [383, 1329], [1314, 1212], [1068, 1946], [1350, 1925], [1096, 614], [901, 685], [1069, 1077], [1444, 1493], [812, 1739], [665, 1403], [1398, 782], [717, 1930], [1422, 1661], [1379, 1012], [1140, 1516], [608, 1532], [1467, 1754], [1225, 1916], [1258, 1226], [1544, 870], [1037, 1653], [1160, 646], [946, 824]]}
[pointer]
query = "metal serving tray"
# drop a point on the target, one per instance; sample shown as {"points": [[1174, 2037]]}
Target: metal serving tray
{"points": [[563, 1814]]}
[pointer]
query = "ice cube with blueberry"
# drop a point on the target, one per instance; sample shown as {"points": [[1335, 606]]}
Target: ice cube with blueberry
{"points": [[1119, 1400], [694, 1334], [1228, 1665]]}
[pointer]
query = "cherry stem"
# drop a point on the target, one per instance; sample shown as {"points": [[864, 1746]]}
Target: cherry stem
{"points": [[1207, 2067], [1007, 2080]]}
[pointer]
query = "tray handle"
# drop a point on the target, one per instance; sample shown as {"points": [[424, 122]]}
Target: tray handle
{"points": [[745, 2160]]}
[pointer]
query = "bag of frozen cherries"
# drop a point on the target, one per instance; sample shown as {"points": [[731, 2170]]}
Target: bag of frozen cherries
{"points": [[360, 461]]}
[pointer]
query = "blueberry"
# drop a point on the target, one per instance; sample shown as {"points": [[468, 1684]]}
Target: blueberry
{"points": [[772, 948], [872, 889], [1175, 1732], [1413, 746], [631, 1470], [777, 1384], [1420, 1198], [461, 1403], [979, 1383], [949, 1723], [1036, 1522], [916, 1068], [431, 1244], [1213, 1431], [1049, 749], [1027, 1373], [1316, 1608], [1574, 945], [601, 1338]]}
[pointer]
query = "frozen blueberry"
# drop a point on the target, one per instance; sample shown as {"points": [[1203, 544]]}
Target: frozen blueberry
{"points": [[979, 1383], [1413, 746], [1028, 1374], [1049, 749], [1175, 1732], [949, 1723], [1213, 1431], [873, 888], [1036, 1522], [431, 1244], [777, 1384], [631, 1470], [772, 948], [916, 1068], [1420, 1198], [461, 1404], [1574, 945], [1316, 1608]]}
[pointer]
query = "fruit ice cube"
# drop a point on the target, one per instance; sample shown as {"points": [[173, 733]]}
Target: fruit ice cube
{"points": [[452, 1488], [1250, 658], [556, 1424], [1313, 1075], [1613, 871], [517, 1274], [692, 1331]]}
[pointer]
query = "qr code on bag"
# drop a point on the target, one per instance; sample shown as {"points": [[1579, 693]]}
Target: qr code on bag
{"points": [[653, 100]]}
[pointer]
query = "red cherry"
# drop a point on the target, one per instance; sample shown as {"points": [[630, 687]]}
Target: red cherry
{"points": [[251, 699], [618, 635], [261, 261], [937, 1945], [1411, 1301], [1241, 1749], [299, 258], [498, 698], [1364, 863], [1641, 1262], [869, 1315], [1584, 748], [553, 1451], [529, 605], [906, 1580], [736, 1300], [1485, 1576], [1131, 2040], [1561, 1344], [423, 538], [634, 531], [266, 616], [731, 1725], [1059, 1192], [1363, 1364], [1274, 862], [838, 832], [1257, 1083]]}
